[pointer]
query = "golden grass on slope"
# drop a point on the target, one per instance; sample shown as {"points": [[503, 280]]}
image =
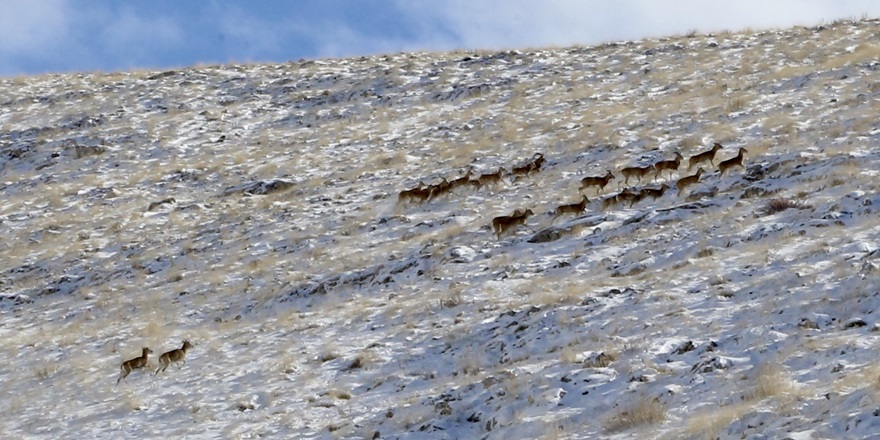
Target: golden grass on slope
{"points": [[610, 113], [863, 52], [769, 381], [644, 411], [708, 424]]}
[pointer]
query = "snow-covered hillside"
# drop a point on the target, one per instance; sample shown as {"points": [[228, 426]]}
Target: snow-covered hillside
{"points": [[253, 210]]}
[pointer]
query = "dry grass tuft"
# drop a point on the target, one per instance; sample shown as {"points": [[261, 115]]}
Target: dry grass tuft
{"points": [[645, 411], [770, 381], [708, 424], [600, 360], [779, 204]]}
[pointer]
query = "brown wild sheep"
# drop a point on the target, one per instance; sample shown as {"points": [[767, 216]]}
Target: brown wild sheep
{"points": [[534, 165], [461, 181], [490, 178], [736, 161], [133, 364], [653, 193], [597, 181], [627, 195], [573, 208], [685, 182], [502, 223], [174, 356], [637, 172], [419, 194], [439, 189], [671, 165], [704, 156]]}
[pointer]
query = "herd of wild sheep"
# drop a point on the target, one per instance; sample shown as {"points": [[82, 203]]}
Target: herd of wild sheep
{"points": [[501, 224]]}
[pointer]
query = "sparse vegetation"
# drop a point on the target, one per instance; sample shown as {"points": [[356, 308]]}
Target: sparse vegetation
{"points": [[133, 211], [778, 204], [645, 411]]}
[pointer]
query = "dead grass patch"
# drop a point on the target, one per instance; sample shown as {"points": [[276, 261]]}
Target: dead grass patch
{"points": [[708, 424], [769, 381], [779, 204], [644, 411], [861, 53]]}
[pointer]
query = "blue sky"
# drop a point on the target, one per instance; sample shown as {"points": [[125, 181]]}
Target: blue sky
{"points": [[38, 36]]}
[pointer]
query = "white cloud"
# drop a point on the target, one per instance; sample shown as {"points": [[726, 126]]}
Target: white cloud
{"points": [[523, 23], [28, 26], [61, 34]]}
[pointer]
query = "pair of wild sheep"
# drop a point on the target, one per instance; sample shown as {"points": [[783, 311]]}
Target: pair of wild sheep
{"points": [[174, 356]]}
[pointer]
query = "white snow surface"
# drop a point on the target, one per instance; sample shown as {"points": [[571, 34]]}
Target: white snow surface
{"points": [[252, 209]]}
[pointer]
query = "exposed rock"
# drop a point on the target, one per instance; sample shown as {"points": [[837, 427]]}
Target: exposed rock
{"points": [[261, 187], [81, 151], [154, 205], [855, 322], [684, 348]]}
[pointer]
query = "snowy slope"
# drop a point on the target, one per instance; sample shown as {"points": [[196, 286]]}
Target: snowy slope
{"points": [[253, 209]]}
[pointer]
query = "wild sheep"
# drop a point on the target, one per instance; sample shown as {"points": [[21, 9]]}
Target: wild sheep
{"points": [[502, 223], [490, 178], [671, 165], [419, 194], [439, 189], [461, 181], [733, 162], [685, 182], [653, 193], [173, 356], [704, 156], [598, 181], [637, 172], [573, 208], [133, 364], [534, 165], [627, 195]]}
